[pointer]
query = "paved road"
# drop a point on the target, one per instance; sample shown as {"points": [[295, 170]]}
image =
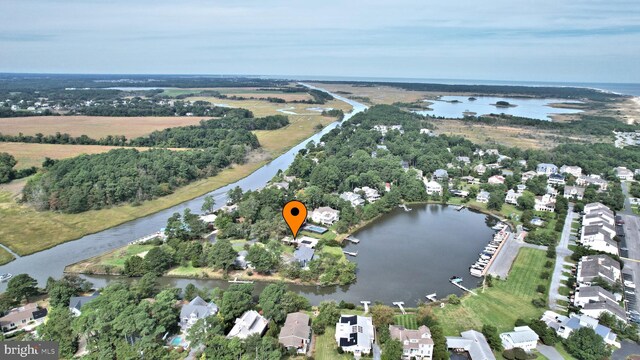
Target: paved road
{"points": [[632, 242], [627, 204], [549, 352], [562, 251], [628, 348]]}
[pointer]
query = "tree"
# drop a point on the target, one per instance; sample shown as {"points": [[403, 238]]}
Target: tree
{"points": [[58, 328], [135, 266], [158, 260], [235, 195], [146, 286], [190, 292], [60, 292], [585, 344], [382, 315], [491, 333], [328, 315], [208, 205], [527, 201], [22, 286], [496, 199], [236, 300], [261, 259], [222, 255], [392, 350], [453, 299], [271, 302], [205, 328]]}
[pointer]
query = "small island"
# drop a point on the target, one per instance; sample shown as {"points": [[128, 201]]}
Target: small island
{"points": [[472, 99], [504, 104]]}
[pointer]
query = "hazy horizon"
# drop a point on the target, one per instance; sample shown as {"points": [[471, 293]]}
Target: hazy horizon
{"points": [[585, 41]]}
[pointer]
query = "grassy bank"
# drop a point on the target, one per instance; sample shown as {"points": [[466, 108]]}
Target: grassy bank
{"points": [[503, 303], [5, 256]]}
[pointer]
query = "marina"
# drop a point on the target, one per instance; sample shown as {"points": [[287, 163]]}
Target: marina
{"points": [[488, 254]]}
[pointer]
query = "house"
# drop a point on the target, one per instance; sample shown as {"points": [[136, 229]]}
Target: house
{"points": [[597, 266], [296, 332], [355, 334], [521, 337], [512, 197], [506, 172], [416, 344], [556, 179], [521, 187], [325, 215], [546, 169], [426, 132], [576, 171], [77, 302], [370, 194], [502, 158], [528, 175], [384, 129], [623, 173], [493, 152], [303, 255], [195, 310], [280, 185], [241, 262], [441, 174], [480, 169], [473, 343], [19, 318], [522, 163], [353, 198], [494, 166], [595, 309], [459, 193], [564, 326], [552, 191], [595, 220], [590, 294], [387, 187], [496, 180], [433, 187], [596, 237], [592, 180], [573, 192], [470, 180], [483, 197], [463, 159], [250, 323], [595, 207], [545, 203]]}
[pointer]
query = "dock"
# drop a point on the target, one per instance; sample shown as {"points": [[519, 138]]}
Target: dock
{"points": [[457, 282], [236, 281], [350, 253], [400, 305], [352, 239], [461, 207], [403, 206], [144, 239], [432, 297], [366, 306]]}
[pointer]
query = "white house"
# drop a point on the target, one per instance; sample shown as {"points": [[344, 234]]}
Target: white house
{"points": [[528, 175], [623, 173], [480, 169], [496, 180], [353, 198], [595, 309], [483, 197], [426, 132], [592, 180], [463, 159], [546, 169], [250, 323], [474, 343], [512, 197], [598, 238], [370, 194], [573, 192], [433, 187], [384, 129], [325, 215], [355, 334], [545, 203], [195, 310], [564, 326], [597, 266], [571, 170], [521, 337], [590, 294], [556, 179], [416, 344]]}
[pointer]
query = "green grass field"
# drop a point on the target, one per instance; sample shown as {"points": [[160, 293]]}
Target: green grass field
{"points": [[326, 347], [502, 304], [408, 321], [5, 256]]}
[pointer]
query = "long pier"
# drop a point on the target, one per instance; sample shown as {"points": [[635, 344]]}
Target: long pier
{"points": [[400, 305], [350, 253], [457, 283]]}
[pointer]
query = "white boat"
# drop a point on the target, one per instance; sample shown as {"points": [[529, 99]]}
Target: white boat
{"points": [[5, 277]]}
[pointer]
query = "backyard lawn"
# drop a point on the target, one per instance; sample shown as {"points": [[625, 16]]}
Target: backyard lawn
{"points": [[326, 347], [503, 303], [408, 321]]}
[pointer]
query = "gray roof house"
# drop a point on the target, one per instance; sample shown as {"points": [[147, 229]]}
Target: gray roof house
{"points": [[472, 342], [564, 326], [546, 169], [595, 309], [251, 322], [195, 310], [303, 255], [594, 266], [521, 337], [77, 302], [440, 174], [296, 332]]}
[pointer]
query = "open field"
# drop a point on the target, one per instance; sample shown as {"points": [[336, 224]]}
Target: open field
{"points": [[93, 126], [503, 303], [245, 92], [377, 94], [28, 154]]}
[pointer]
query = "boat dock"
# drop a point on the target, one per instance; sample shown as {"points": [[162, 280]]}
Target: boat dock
{"points": [[461, 207], [403, 206], [236, 281], [490, 252], [366, 306], [400, 305], [144, 239], [432, 297], [457, 282], [350, 253], [352, 239]]}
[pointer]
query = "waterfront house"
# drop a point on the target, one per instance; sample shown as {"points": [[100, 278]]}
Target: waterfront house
{"points": [[591, 294], [483, 197], [416, 344], [576, 171], [296, 332], [496, 180], [250, 323], [241, 260], [353, 198], [325, 215], [473, 343], [459, 193], [480, 169], [546, 169], [355, 334], [303, 255], [528, 175], [512, 197], [573, 192], [521, 337], [623, 173], [545, 203], [280, 185], [77, 302], [592, 180], [433, 187], [370, 194], [564, 326], [22, 318], [556, 179], [602, 266], [195, 310], [595, 309]]}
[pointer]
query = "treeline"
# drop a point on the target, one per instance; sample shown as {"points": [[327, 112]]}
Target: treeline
{"points": [[90, 182], [66, 139], [146, 107], [8, 173], [319, 97]]}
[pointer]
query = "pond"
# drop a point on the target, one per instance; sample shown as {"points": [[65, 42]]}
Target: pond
{"points": [[402, 256], [456, 106]]}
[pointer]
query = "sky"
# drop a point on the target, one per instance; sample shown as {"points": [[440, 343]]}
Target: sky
{"points": [[527, 40]]}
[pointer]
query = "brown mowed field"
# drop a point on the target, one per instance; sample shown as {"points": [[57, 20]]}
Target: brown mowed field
{"points": [[93, 126], [29, 155]]}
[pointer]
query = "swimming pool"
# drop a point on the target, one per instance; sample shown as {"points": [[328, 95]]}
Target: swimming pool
{"points": [[315, 229], [177, 341]]}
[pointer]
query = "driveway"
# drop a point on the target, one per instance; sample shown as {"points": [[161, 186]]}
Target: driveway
{"points": [[549, 352], [562, 251]]}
